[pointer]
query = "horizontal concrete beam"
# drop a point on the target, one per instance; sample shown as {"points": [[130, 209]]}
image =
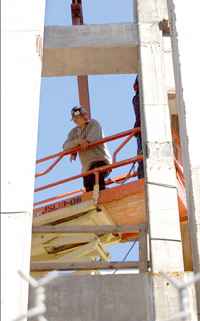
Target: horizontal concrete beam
{"points": [[90, 49], [107, 35]]}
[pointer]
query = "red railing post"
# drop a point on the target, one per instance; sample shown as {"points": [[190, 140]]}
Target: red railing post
{"points": [[135, 131]]}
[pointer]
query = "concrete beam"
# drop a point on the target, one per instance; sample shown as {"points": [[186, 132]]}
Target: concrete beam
{"points": [[90, 49], [163, 215]]}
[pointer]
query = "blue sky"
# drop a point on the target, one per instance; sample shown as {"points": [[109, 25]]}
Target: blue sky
{"points": [[110, 100], [94, 11]]}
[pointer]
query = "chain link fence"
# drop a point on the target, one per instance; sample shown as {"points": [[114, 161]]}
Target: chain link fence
{"points": [[40, 308]]}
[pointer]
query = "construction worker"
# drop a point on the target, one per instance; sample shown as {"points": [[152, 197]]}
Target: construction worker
{"points": [[88, 131], [136, 107]]}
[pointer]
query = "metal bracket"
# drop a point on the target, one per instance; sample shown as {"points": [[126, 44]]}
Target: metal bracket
{"points": [[39, 46], [164, 26]]}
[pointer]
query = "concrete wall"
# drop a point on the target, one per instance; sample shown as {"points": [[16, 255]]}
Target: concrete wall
{"points": [[15, 254], [112, 298], [22, 22], [186, 52]]}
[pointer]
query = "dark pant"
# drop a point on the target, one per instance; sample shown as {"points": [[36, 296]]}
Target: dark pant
{"points": [[140, 169], [89, 181]]}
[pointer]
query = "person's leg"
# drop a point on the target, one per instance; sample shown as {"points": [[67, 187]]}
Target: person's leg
{"points": [[140, 169], [139, 144], [101, 175], [88, 182], [139, 152], [102, 184]]}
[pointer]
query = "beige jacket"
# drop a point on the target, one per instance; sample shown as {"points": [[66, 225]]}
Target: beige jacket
{"points": [[92, 132]]}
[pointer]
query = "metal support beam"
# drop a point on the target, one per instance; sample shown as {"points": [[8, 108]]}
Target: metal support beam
{"points": [[161, 193], [83, 89], [77, 19]]}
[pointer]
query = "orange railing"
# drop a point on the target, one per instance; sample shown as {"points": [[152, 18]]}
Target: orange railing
{"points": [[95, 171], [58, 157], [129, 134], [109, 181]]}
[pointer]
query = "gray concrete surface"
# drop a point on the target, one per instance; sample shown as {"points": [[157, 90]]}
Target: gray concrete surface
{"points": [[160, 174], [90, 49], [127, 297], [185, 50], [106, 35]]}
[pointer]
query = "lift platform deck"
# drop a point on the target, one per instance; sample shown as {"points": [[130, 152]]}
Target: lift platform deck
{"points": [[116, 206]]}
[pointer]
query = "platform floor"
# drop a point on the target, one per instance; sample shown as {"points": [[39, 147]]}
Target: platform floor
{"points": [[123, 204]]}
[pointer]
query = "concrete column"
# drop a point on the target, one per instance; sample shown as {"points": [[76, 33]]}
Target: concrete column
{"points": [[15, 251], [161, 193], [186, 52], [22, 27]]}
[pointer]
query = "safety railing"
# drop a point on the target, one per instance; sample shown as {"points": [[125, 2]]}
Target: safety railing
{"points": [[177, 159], [95, 171], [58, 157], [134, 133], [118, 179], [179, 171], [130, 133]]}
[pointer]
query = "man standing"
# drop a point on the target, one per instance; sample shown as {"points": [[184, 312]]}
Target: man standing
{"points": [[88, 131], [136, 107]]}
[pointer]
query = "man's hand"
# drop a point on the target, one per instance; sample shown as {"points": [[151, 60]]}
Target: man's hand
{"points": [[84, 144], [73, 157]]}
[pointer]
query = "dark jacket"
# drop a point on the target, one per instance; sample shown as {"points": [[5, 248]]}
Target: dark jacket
{"points": [[136, 106]]}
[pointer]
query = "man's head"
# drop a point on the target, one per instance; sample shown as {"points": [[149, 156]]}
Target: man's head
{"points": [[79, 115], [136, 85]]}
